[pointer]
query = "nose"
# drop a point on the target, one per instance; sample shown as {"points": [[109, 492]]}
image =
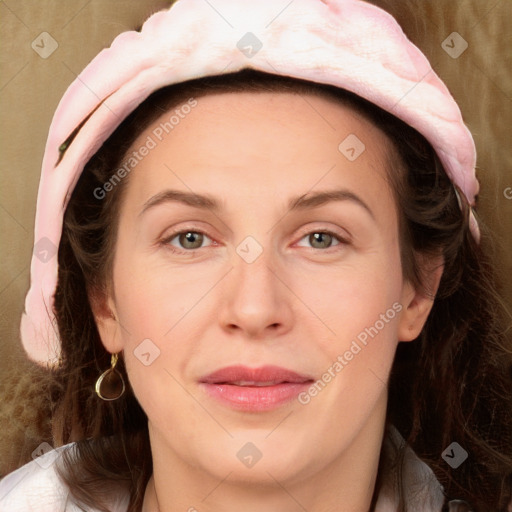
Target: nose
{"points": [[255, 303]]}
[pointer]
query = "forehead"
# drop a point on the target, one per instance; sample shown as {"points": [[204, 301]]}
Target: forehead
{"points": [[261, 144]]}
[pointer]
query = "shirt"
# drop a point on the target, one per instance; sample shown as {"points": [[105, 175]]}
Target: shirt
{"points": [[37, 487]]}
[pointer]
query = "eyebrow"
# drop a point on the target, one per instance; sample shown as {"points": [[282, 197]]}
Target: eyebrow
{"points": [[300, 203]]}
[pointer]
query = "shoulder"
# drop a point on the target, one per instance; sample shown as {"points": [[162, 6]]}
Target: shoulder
{"points": [[422, 492], [36, 486], [403, 469]]}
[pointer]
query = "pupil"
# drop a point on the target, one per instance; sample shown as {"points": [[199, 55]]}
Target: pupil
{"points": [[319, 237], [323, 239], [191, 238]]}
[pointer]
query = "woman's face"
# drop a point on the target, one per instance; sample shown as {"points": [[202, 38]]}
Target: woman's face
{"points": [[292, 261]]}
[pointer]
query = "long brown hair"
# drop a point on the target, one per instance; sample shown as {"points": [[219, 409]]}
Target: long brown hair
{"points": [[452, 384]]}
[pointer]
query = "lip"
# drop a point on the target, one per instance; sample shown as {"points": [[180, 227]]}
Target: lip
{"points": [[266, 387]]}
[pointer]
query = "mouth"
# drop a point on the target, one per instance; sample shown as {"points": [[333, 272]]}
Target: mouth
{"points": [[254, 389]]}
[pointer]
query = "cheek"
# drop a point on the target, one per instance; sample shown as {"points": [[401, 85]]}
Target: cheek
{"points": [[354, 298], [151, 299], [158, 309], [360, 307]]}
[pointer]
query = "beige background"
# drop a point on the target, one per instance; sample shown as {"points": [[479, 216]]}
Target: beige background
{"points": [[30, 88]]}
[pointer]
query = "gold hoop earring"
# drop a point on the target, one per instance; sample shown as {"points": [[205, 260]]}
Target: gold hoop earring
{"points": [[110, 384]]}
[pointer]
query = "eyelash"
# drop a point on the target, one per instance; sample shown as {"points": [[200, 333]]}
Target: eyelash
{"points": [[166, 241]]}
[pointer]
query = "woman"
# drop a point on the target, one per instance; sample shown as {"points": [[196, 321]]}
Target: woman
{"points": [[240, 254]]}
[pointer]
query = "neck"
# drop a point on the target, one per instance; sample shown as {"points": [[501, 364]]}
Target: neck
{"points": [[345, 483]]}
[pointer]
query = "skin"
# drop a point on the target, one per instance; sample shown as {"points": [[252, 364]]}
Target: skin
{"points": [[298, 305]]}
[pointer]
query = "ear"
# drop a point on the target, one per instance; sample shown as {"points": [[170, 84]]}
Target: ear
{"points": [[417, 303], [105, 315]]}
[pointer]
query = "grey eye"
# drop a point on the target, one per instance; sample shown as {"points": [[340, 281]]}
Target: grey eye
{"points": [[320, 240], [191, 239]]}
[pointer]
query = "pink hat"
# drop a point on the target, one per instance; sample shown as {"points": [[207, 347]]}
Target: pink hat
{"points": [[347, 43]]}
